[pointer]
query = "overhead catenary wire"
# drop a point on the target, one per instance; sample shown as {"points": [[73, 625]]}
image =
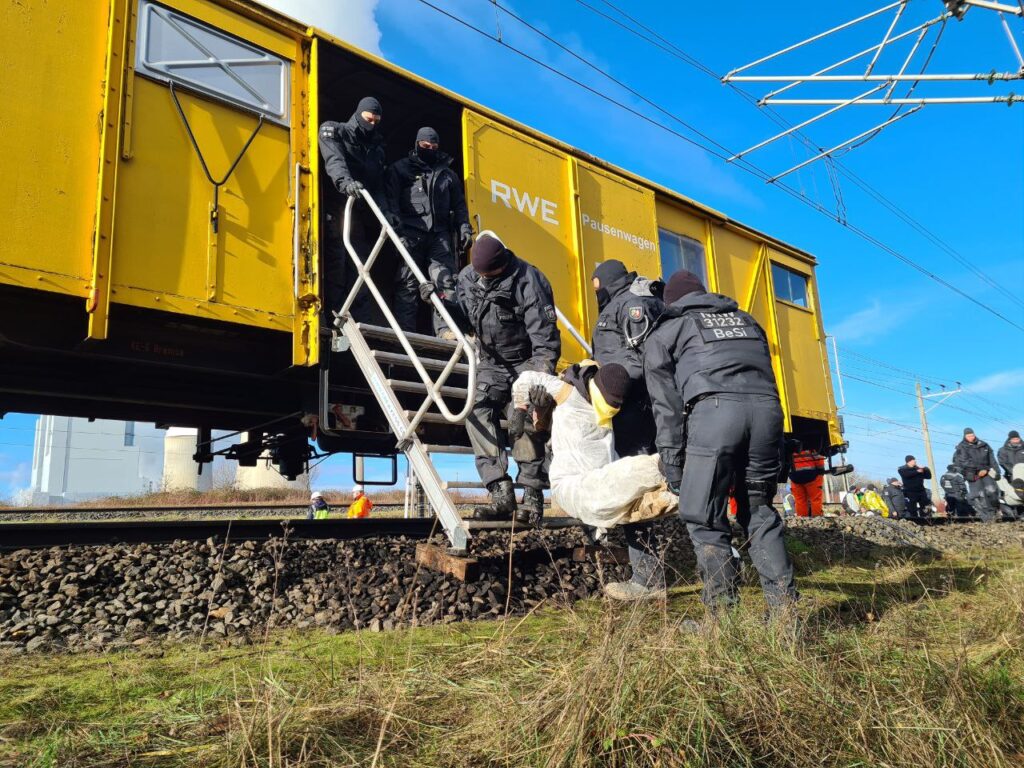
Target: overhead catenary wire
{"points": [[894, 371], [951, 406], [721, 152], [667, 46]]}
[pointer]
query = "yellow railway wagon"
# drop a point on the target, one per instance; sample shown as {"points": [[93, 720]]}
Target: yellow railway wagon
{"points": [[162, 222]]}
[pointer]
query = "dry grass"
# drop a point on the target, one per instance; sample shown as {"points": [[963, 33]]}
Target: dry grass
{"points": [[916, 664], [256, 496]]}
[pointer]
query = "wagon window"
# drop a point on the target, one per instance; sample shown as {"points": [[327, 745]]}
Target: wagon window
{"points": [[790, 285], [176, 48], [680, 252]]}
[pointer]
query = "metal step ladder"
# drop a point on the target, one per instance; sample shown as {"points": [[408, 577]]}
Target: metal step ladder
{"points": [[445, 358], [431, 372]]}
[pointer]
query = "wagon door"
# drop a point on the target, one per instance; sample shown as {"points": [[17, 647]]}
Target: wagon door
{"points": [[212, 206], [522, 190]]}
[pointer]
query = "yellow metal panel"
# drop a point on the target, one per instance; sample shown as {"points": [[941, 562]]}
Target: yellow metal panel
{"points": [[808, 380], [51, 77], [306, 323], [522, 190], [616, 220], [111, 126], [163, 238], [736, 264]]}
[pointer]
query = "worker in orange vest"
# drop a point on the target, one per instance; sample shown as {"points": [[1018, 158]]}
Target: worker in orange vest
{"points": [[805, 478], [361, 504]]}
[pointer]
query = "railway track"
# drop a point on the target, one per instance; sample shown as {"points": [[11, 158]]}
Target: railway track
{"points": [[35, 535]]}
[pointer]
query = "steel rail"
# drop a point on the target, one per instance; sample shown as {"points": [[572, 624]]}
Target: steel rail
{"points": [[41, 535], [182, 508]]}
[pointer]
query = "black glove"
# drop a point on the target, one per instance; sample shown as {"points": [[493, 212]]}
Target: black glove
{"points": [[465, 238], [543, 404], [351, 188], [517, 424], [426, 291], [673, 475], [394, 221]]}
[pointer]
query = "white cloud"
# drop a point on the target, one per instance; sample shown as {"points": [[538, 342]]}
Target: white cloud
{"points": [[1003, 381], [13, 477], [351, 20], [873, 321]]}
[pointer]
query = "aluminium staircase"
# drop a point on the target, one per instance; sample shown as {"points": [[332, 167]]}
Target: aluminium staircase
{"points": [[401, 367], [418, 365]]}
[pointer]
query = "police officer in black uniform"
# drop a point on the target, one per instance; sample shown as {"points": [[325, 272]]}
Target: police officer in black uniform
{"points": [[954, 487], [913, 478], [629, 307], [508, 305], [427, 196], [719, 428], [977, 463], [353, 155]]}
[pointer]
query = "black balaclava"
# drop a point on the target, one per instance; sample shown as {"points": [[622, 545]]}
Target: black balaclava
{"points": [[682, 283], [608, 272], [428, 156], [951, 468], [367, 104]]}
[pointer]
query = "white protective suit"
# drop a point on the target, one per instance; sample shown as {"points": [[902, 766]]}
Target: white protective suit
{"points": [[588, 480], [1010, 496]]}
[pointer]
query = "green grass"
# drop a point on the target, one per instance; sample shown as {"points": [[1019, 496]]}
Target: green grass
{"points": [[893, 663]]}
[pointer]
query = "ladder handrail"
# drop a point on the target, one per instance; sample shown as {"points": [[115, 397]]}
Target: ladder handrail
{"points": [[464, 347], [573, 331]]}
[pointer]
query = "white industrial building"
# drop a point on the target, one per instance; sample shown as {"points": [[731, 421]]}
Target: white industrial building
{"points": [[76, 459]]}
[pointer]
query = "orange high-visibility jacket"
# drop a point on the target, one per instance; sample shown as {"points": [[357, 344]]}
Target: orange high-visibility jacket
{"points": [[360, 507]]}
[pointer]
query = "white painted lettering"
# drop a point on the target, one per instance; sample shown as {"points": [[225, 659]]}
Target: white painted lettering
{"points": [[525, 201], [500, 191], [547, 212]]}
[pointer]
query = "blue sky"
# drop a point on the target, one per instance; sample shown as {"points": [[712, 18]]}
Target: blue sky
{"points": [[958, 170]]}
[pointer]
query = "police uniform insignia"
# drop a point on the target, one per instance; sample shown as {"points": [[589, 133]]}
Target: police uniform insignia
{"points": [[550, 312], [636, 314], [724, 326]]}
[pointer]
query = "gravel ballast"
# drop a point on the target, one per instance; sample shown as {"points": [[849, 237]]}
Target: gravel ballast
{"points": [[88, 597]]}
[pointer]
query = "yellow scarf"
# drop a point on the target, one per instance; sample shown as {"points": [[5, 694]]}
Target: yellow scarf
{"points": [[602, 410]]}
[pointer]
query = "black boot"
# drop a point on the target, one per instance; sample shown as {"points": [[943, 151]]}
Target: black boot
{"points": [[503, 502], [532, 510]]}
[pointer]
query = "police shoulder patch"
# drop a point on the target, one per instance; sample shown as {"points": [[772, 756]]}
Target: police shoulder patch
{"points": [[636, 313], [549, 311]]}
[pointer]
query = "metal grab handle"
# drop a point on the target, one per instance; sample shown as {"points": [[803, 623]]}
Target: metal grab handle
{"points": [[464, 347], [573, 332], [215, 212]]}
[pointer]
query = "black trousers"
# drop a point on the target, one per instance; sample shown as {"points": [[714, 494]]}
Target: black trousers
{"points": [[489, 440], [734, 441], [339, 269], [917, 502], [983, 494], [957, 507], [432, 252]]}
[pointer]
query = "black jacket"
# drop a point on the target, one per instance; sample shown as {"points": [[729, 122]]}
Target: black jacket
{"points": [[971, 458], [1011, 455], [427, 198], [703, 344], [625, 322], [349, 154], [913, 481], [512, 316], [953, 484], [894, 499]]}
